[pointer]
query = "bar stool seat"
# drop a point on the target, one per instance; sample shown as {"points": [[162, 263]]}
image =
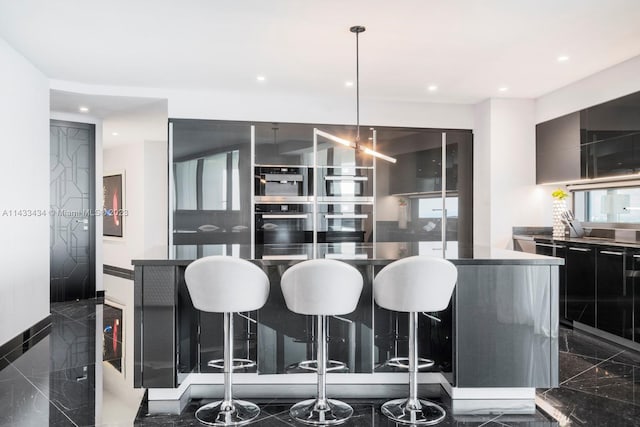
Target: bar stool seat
{"points": [[415, 284], [321, 287], [221, 284]]}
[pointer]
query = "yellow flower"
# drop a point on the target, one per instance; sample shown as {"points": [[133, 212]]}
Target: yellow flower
{"points": [[559, 194]]}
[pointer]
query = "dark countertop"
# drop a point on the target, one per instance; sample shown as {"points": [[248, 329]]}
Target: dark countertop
{"points": [[599, 241], [378, 254]]}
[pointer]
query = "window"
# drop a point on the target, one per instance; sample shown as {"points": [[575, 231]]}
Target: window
{"points": [[612, 205]]}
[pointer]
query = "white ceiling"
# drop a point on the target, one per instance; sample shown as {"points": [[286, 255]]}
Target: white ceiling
{"points": [[469, 48]]}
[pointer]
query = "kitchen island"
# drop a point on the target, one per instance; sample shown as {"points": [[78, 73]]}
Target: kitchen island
{"points": [[492, 347]]}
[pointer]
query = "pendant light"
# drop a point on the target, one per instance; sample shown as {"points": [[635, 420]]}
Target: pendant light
{"points": [[356, 29]]}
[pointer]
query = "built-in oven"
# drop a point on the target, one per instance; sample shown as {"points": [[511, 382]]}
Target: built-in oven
{"points": [[344, 222], [282, 182], [283, 223], [338, 184]]}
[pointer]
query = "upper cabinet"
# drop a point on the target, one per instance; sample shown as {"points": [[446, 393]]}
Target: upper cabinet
{"points": [[598, 142], [419, 160], [279, 144], [610, 137], [558, 149]]}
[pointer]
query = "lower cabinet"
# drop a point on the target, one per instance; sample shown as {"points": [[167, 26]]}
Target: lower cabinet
{"points": [[581, 284], [550, 248], [599, 285], [614, 296], [633, 281]]}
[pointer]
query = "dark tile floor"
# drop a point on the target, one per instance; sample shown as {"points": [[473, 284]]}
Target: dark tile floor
{"points": [[366, 413], [54, 383], [599, 383]]}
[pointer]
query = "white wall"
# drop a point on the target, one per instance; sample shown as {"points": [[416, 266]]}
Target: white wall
{"points": [[482, 174], [505, 193], [614, 82], [144, 165], [24, 120]]}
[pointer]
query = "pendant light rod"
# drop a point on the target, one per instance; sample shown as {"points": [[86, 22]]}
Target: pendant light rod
{"points": [[357, 29]]}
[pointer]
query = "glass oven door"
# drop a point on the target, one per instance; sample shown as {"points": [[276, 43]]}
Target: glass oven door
{"points": [[284, 224], [344, 223]]}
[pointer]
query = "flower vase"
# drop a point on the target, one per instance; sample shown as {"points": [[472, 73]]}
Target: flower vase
{"points": [[559, 206], [402, 217]]}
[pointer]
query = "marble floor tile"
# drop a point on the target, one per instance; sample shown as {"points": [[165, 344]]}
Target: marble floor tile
{"points": [[54, 383], [576, 342], [366, 413], [587, 409]]}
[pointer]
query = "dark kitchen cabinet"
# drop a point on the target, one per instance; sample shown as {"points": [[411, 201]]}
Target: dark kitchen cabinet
{"points": [[633, 281], [211, 186], [419, 161], [610, 137], [614, 296], [550, 248], [289, 144], [581, 284], [600, 141], [558, 149]]}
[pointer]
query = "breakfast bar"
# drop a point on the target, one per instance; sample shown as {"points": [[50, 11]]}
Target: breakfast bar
{"points": [[492, 347]]}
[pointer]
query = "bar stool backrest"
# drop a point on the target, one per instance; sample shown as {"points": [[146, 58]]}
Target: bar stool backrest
{"points": [[224, 284], [414, 284], [321, 287]]}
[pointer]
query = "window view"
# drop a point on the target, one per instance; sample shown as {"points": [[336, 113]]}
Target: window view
{"points": [[608, 205]]}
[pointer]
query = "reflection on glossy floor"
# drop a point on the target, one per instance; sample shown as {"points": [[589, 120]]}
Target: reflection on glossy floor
{"points": [[599, 383], [57, 382]]}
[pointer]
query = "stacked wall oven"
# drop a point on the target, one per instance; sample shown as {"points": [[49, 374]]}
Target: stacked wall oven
{"points": [[283, 205], [345, 204]]}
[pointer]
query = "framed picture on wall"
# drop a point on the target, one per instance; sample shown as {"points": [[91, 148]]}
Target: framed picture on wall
{"points": [[113, 212]]}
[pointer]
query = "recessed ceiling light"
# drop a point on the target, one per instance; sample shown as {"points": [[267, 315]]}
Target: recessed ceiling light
{"points": [[432, 88], [563, 58], [115, 133], [261, 78], [348, 84], [84, 109], [503, 89]]}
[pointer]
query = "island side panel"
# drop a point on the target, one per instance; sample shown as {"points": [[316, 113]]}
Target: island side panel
{"points": [[505, 329], [159, 296]]}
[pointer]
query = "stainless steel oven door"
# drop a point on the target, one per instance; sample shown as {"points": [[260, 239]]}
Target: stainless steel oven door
{"points": [[345, 186], [284, 227], [281, 181], [344, 223]]}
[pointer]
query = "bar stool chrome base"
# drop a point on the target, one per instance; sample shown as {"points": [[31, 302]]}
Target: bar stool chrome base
{"points": [[221, 413], [320, 413], [420, 412]]}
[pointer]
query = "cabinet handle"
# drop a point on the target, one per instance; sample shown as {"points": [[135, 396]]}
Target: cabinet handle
{"points": [[550, 246], [580, 249], [284, 216], [636, 256], [612, 253], [345, 178], [346, 216]]}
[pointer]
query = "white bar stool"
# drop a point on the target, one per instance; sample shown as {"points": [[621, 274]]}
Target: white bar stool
{"points": [[221, 284], [321, 287], [415, 284]]}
